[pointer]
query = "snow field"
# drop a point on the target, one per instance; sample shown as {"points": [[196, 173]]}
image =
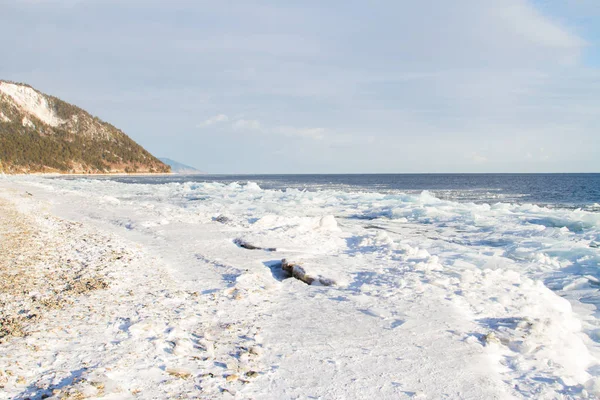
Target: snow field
{"points": [[142, 337], [432, 298]]}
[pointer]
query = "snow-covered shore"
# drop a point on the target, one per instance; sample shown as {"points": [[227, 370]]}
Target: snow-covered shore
{"points": [[142, 337], [432, 299]]}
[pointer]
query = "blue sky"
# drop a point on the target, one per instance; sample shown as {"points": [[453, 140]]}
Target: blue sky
{"points": [[317, 87]]}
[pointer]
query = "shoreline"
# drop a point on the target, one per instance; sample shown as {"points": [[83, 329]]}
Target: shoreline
{"points": [[85, 300], [34, 261], [98, 174], [196, 302]]}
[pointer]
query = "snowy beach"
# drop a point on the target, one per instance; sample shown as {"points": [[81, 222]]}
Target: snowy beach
{"points": [[131, 290]]}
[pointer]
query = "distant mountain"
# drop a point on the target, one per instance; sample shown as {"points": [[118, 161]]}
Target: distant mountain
{"points": [[179, 168], [41, 133]]}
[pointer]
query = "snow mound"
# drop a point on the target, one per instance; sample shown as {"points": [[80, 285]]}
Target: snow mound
{"points": [[252, 187], [326, 223], [31, 102]]}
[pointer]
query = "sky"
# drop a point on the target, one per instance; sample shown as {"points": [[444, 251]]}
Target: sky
{"points": [[337, 86]]}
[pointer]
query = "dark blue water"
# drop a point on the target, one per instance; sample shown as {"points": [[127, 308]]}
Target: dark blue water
{"points": [[558, 190]]}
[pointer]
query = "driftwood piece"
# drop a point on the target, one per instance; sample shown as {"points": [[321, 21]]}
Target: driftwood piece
{"points": [[245, 245], [295, 270]]}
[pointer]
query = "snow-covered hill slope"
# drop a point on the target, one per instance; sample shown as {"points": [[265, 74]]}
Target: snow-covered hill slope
{"points": [[41, 133], [32, 102]]}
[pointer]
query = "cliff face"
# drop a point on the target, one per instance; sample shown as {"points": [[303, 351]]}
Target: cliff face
{"points": [[41, 133]]}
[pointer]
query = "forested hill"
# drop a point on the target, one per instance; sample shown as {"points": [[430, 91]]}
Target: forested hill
{"points": [[41, 133]]}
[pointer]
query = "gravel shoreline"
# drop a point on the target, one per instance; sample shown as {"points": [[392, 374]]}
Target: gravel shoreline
{"points": [[87, 314], [43, 266]]}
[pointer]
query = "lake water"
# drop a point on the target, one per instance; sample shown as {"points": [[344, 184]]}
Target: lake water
{"points": [[555, 190]]}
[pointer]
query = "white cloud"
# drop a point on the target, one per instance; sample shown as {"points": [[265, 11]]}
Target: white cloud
{"points": [[312, 133], [478, 158], [214, 120], [247, 124], [284, 130], [534, 27]]}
